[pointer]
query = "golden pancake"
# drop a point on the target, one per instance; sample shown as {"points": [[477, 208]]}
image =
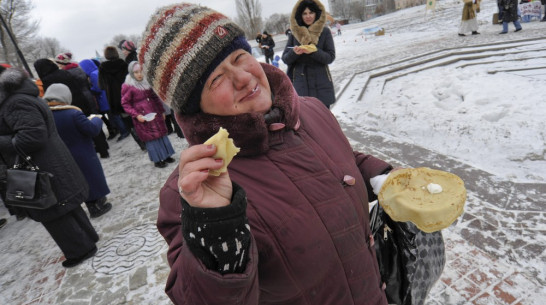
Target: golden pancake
{"points": [[431, 199], [309, 47], [225, 150]]}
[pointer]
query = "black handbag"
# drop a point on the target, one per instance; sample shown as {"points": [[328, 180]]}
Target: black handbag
{"points": [[410, 260], [27, 186], [395, 250]]}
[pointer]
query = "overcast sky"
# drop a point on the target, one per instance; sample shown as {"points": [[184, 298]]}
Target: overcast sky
{"points": [[86, 26]]}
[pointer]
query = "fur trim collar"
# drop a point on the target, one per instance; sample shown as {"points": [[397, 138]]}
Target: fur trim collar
{"points": [[53, 105], [11, 80], [249, 131], [307, 35]]}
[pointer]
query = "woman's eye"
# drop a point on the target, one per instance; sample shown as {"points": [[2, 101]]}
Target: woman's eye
{"points": [[214, 80]]}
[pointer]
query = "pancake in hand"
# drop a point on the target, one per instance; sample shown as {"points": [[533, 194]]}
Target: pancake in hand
{"points": [[309, 47], [225, 150], [431, 199]]}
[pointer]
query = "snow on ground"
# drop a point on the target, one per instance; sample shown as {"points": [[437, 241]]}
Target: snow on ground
{"points": [[484, 119]]}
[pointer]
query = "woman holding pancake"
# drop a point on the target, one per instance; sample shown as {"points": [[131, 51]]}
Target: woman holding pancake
{"points": [[309, 51], [286, 221]]}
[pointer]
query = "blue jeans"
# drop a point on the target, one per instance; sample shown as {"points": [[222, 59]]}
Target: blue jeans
{"points": [[118, 122], [505, 26]]}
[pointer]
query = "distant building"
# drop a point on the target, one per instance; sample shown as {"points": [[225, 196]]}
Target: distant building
{"points": [[343, 9]]}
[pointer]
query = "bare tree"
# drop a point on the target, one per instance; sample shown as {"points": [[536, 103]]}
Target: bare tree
{"points": [[16, 14], [358, 10], [276, 23], [45, 47], [341, 8], [249, 16]]}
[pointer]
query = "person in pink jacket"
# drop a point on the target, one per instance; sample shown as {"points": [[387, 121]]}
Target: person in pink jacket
{"points": [[288, 222], [142, 104]]}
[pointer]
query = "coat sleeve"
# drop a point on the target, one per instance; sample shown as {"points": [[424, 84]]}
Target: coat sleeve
{"points": [[289, 57], [127, 101], [189, 281], [90, 128], [103, 82], [93, 79], [327, 53], [370, 167], [29, 126]]}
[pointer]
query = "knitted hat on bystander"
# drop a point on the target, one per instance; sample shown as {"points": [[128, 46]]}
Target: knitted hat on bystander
{"points": [[58, 92], [128, 45], [181, 47], [63, 58]]}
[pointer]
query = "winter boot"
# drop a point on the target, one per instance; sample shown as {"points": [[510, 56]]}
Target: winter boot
{"points": [[98, 207]]}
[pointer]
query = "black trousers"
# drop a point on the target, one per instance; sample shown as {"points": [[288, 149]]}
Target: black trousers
{"points": [[73, 233], [172, 125], [101, 146]]}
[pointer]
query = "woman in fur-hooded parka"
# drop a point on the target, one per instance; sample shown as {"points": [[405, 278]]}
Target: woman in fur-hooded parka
{"points": [[26, 122], [309, 72]]}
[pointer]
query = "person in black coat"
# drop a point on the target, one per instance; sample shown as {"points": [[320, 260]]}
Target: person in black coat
{"points": [[49, 73], [510, 14], [112, 75], [307, 69], [27, 123], [267, 46]]}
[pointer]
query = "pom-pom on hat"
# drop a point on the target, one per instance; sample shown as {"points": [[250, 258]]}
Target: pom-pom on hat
{"points": [[128, 45], [182, 45], [63, 58]]}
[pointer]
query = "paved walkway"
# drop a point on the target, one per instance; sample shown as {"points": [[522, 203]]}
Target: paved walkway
{"points": [[496, 250], [492, 250]]}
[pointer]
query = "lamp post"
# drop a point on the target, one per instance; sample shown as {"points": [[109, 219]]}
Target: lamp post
{"points": [[19, 53]]}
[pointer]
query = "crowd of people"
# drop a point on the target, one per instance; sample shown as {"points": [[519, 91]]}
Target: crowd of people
{"points": [[58, 120]]}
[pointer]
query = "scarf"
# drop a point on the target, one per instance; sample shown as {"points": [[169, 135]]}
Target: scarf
{"points": [[54, 105]]}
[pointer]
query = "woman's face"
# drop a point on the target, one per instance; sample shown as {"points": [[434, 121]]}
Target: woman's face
{"points": [[238, 85], [308, 16], [138, 75]]}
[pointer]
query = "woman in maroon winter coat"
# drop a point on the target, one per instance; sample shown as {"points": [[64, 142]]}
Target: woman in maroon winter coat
{"points": [[288, 222], [142, 104]]}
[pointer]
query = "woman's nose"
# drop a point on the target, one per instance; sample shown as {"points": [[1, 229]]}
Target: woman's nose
{"points": [[240, 77]]}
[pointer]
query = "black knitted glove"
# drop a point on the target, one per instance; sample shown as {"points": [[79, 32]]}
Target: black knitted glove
{"points": [[219, 237]]}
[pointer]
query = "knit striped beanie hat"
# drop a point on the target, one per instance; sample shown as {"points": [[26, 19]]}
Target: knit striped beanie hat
{"points": [[181, 47]]}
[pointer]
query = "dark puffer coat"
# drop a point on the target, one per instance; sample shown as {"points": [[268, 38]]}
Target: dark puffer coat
{"points": [[50, 73], [510, 10], [82, 81], [27, 121], [310, 230], [111, 76], [309, 73]]}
